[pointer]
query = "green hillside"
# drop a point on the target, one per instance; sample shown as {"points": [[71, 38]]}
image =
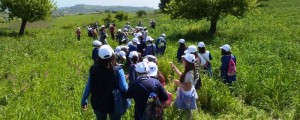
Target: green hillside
{"points": [[43, 74]]}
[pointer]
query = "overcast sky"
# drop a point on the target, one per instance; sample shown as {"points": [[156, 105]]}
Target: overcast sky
{"points": [[138, 3]]}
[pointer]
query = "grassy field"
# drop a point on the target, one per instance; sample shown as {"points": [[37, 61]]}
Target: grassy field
{"points": [[43, 74]]}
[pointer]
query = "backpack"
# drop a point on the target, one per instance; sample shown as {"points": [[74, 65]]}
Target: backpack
{"points": [[231, 67], [120, 103], [154, 109], [161, 42], [186, 102]]}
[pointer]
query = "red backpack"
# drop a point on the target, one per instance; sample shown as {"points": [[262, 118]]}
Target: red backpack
{"points": [[231, 67]]}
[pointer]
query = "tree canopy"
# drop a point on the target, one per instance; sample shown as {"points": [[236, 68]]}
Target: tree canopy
{"points": [[28, 10], [211, 10]]}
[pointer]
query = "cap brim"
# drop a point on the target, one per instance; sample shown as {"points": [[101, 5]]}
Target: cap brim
{"points": [[154, 73]]}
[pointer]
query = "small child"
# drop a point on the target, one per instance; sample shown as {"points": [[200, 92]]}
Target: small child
{"points": [[97, 44]]}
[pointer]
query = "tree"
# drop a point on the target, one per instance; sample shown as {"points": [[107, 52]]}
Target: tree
{"points": [[141, 13], [120, 15], [212, 10], [28, 10], [163, 4]]}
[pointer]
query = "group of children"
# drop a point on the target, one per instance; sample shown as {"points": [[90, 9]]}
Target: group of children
{"points": [[144, 80]]}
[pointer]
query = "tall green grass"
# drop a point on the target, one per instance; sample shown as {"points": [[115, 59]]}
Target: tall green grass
{"points": [[43, 74]]}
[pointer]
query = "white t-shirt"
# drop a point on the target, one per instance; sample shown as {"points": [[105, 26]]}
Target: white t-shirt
{"points": [[204, 60]]}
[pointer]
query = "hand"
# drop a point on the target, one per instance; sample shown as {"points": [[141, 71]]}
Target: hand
{"points": [[84, 107], [173, 66], [177, 82]]}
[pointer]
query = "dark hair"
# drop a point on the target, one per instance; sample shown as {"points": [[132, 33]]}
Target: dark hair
{"points": [[202, 50], [223, 52], [188, 67], [182, 47], [106, 62], [114, 24], [134, 59], [140, 58]]}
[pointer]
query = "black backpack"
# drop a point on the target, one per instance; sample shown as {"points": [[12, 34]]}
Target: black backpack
{"points": [[154, 109]]}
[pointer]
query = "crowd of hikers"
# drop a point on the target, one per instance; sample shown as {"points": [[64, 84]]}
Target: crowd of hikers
{"points": [[112, 90]]}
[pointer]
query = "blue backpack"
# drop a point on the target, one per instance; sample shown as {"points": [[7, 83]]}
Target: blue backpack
{"points": [[154, 109], [120, 103]]}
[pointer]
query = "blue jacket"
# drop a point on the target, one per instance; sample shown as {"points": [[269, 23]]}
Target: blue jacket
{"points": [[131, 48], [179, 54], [140, 95], [122, 84], [95, 54], [150, 50], [224, 68]]}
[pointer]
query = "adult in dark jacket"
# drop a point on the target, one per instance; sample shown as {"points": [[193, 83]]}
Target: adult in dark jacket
{"points": [[101, 83], [137, 91], [161, 44], [103, 35]]}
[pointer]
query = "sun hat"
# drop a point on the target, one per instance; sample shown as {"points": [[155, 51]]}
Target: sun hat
{"points": [[133, 53], [122, 54], [149, 38], [103, 26], [97, 43], [135, 40], [189, 57], [138, 34], [119, 30], [181, 41], [142, 67], [163, 35], [191, 49], [105, 52], [152, 69], [129, 43], [226, 47], [151, 58], [201, 44]]}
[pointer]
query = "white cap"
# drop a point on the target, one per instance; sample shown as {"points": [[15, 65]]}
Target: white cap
{"points": [[181, 41], [149, 38], [122, 54], [125, 29], [163, 35], [105, 52], [226, 47], [152, 69], [133, 53], [189, 57], [145, 60], [138, 34], [102, 26], [129, 43], [78, 28], [136, 41], [119, 30], [151, 58], [191, 49], [97, 43], [142, 67], [201, 44], [118, 49]]}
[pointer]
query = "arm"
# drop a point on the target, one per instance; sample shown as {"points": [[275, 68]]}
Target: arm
{"points": [[210, 57], [86, 93], [174, 68], [223, 67], [162, 94], [122, 81]]}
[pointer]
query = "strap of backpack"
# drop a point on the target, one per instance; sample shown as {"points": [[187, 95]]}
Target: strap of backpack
{"points": [[204, 57], [116, 75], [146, 88]]}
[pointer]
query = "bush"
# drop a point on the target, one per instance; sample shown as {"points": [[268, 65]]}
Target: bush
{"points": [[141, 13], [109, 18], [120, 15], [68, 26]]}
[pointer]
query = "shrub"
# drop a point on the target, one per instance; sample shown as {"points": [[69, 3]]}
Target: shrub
{"points": [[120, 15], [141, 13]]}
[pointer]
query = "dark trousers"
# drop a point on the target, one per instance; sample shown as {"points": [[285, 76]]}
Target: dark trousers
{"points": [[103, 116], [78, 37]]}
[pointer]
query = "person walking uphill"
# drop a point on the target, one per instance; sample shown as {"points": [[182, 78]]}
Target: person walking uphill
{"points": [[181, 49], [97, 44], [78, 33], [112, 31], [102, 35], [142, 89], [228, 67], [102, 82]]}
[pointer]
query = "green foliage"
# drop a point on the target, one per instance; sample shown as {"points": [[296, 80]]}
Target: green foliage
{"points": [[39, 10], [109, 18], [120, 15], [163, 4], [43, 74], [211, 10], [141, 13]]}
